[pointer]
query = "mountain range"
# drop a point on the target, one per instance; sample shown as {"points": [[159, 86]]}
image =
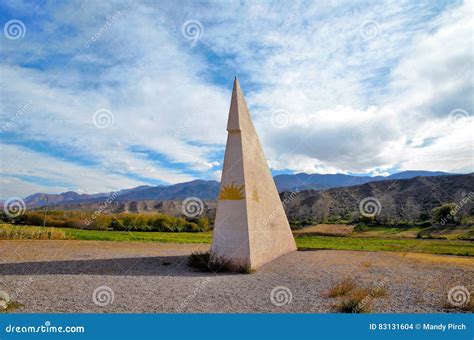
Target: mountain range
{"points": [[208, 190], [410, 199]]}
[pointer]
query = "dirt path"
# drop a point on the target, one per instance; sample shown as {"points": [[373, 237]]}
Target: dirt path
{"points": [[61, 276]]}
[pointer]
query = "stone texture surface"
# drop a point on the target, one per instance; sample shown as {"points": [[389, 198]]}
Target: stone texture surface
{"points": [[61, 276], [251, 227]]}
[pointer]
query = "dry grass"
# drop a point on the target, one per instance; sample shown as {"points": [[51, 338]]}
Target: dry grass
{"points": [[379, 292], [355, 299], [326, 230], [438, 259], [10, 232], [11, 307], [342, 288]]}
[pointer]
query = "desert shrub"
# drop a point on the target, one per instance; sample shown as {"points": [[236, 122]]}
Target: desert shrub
{"points": [[203, 224], [358, 301], [205, 262], [298, 224], [342, 288], [367, 220], [443, 215], [162, 223], [34, 218]]}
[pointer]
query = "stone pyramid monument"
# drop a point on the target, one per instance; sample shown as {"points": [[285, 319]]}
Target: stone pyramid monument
{"points": [[251, 227]]}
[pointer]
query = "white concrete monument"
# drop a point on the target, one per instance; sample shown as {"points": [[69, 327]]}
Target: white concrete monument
{"points": [[251, 227]]}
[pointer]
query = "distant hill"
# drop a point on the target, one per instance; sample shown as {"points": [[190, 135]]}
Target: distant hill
{"points": [[400, 199], [208, 190], [305, 181], [410, 199]]}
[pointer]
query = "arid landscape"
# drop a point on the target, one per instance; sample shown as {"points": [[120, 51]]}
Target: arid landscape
{"points": [[61, 276], [237, 157]]}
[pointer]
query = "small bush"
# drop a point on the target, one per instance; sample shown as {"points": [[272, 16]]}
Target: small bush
{"points": [[11, 306], [444, 215], [358, 301], [205, 262], [342, 288]]}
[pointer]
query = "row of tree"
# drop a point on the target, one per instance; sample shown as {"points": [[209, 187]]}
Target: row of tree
{"points": [[122, 221]]}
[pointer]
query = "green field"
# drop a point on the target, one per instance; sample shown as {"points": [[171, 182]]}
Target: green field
{"points": [[310, 242], [429, 246], [147, 236]]}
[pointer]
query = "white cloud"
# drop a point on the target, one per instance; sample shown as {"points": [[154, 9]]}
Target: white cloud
{"points": [[356, 104]]}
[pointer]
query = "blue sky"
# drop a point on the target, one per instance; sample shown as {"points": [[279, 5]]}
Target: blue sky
{"points": [[98, 96]]}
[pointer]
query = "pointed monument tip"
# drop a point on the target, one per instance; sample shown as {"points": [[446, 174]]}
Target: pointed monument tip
{"points": [[237, 104]]}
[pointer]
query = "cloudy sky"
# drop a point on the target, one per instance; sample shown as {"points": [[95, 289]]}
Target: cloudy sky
{"points": [[105, 95]]}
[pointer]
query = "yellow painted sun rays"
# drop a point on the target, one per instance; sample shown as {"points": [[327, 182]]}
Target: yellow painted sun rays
{"points": [[232, 192]]}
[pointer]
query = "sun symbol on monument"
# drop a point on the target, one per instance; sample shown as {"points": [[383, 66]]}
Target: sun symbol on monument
{"points": [[232, 192]]}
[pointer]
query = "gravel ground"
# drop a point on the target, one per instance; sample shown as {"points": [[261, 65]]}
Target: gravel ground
{"points": [[62, 276]]}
